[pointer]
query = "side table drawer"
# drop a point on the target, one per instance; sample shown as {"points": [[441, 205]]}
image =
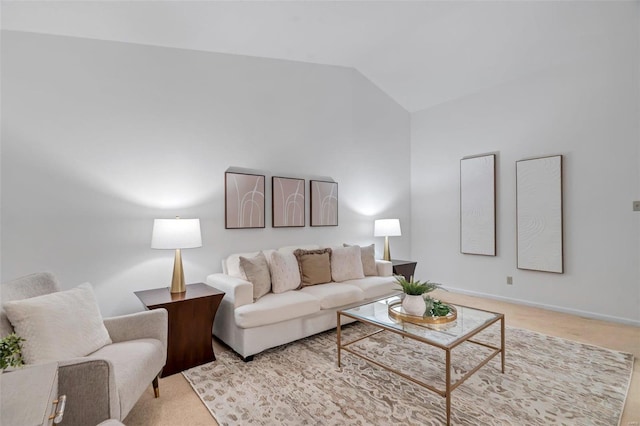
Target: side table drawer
{"points": [[28, 396], [56, 405]]}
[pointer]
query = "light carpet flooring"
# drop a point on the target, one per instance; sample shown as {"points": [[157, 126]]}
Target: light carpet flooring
{"points": [[179, 405]]}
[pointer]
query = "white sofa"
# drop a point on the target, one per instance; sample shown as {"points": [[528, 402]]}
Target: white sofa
{"points": [[250, 327]]}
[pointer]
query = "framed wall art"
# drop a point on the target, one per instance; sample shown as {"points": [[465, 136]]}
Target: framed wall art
{"points": [[288, 203], [324, 203], [244, 200], [478, 205], [539, 214]]}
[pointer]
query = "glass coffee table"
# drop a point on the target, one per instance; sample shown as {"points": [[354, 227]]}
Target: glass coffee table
{"points": [[468, 323]]}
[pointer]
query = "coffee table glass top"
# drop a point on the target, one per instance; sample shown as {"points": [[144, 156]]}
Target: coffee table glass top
{"points": [[468, 321]]}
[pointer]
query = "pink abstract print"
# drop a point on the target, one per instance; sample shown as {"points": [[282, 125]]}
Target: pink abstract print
{"points": [[244, 200], [324, 203], [288, 202]]}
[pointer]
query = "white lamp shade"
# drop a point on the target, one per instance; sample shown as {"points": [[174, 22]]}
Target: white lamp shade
{"points": [[387, 228], [176, 234]]}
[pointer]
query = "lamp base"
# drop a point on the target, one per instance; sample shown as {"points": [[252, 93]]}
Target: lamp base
{"points": [[177, 282], [387, 252]]}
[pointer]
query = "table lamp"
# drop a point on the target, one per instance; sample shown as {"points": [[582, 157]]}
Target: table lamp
{"points": [[386, 228], [176, 234]]}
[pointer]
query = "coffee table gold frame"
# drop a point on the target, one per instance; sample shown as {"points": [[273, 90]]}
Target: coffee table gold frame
{"points": [[446, 393]]}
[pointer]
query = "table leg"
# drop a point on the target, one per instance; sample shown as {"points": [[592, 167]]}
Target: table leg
{"points": [[502, 354], [448, 386], [338, 330]]}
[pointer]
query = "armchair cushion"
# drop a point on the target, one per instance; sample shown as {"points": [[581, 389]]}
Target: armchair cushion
{"points": [[58, 325], [131, 378], [22, 288]]}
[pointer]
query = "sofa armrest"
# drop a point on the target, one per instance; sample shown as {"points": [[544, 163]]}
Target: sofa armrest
{"points": [[90, 387], [236, 290], [384, 267], [140, 325]]}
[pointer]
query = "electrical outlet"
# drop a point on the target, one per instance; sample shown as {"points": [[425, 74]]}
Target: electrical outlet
{"points": [[636, 206], [510, 280]]}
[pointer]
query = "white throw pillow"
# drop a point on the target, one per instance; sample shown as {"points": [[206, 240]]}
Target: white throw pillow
{"points": [[368, 254], [346, 264], [285, 274], [58, 326]]}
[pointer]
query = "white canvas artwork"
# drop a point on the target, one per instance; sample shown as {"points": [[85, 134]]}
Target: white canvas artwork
{"points": [[288, 202], [539, 214], [478, 205], [324, 203], [244, 200]]}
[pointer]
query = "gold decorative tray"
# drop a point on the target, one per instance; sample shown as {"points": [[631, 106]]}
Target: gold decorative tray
{"points": [[396, 312]]}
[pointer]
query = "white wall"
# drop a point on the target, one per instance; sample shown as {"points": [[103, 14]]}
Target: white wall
{"points": [[99, 138], [586, 108]]}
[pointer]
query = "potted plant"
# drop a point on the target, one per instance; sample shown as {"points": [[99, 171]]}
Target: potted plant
{"points": [[11, 351], [414, 299]]}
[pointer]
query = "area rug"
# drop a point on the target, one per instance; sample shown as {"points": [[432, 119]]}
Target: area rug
{"points": [[547, 381]]}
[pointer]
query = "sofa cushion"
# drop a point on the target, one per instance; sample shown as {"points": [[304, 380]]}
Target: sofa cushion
{"points": [[58, 326], [132, 361], [231, 265], [332, 295], [375, 286], [314, 265], [256, 270], [274, 308], [285, 273], [346, 264], [368, 257]]}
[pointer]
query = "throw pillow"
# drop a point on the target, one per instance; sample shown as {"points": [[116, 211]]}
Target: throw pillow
{"points": [[346, 264], [285, 273], [314, 265], [257, 272], [368, 254], [58, 326]]}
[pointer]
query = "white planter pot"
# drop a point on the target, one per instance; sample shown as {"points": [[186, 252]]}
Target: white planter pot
{"points": [[414, 305]]}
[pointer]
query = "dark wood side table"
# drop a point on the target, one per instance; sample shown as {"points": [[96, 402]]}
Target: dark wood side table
{"points": [[191, 317], [406, 268]]}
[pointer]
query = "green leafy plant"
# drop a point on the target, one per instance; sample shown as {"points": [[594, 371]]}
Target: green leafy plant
{"points": [[415, 288], [11, 351], [439, 309]]}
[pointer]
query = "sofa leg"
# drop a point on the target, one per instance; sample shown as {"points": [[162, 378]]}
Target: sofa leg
{"points": [[247, 358], [156, 387]]}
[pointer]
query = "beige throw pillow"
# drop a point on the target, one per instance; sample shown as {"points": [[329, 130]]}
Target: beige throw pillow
{"points": [[285, 273], [314, 265], [256, 270], [368, 255], [346, 264], [58, 326]]}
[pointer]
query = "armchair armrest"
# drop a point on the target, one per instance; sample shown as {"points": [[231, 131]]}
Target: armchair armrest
{"points": [[384, 267], [140, 325], [236, 290], [90, 387]]}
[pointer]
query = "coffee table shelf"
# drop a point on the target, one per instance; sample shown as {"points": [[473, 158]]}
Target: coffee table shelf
{"points": [[469, 323]]}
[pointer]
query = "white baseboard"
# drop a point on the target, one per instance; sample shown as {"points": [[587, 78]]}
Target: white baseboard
{"points": [[555, 308]]}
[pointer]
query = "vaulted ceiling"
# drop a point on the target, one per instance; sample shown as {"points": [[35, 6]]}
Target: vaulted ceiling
{"points": [[421, 53]]}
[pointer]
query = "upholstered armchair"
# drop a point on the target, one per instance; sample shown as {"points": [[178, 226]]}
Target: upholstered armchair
{"points": [[107, 383]]}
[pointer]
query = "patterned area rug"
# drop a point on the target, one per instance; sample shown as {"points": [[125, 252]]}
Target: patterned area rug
{"points": [[547, 381]]}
